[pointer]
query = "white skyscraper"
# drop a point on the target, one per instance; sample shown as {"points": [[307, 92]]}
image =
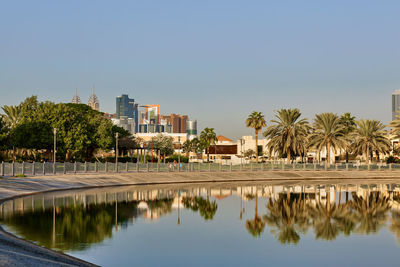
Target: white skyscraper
{"points": [[94, 101], [395, 103], [76, 99]]}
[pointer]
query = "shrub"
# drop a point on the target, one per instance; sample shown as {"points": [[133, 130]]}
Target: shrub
{"points": [[20, 175]]}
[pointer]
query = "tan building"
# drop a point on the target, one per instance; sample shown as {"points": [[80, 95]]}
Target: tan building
{"points": [[177, 121]]}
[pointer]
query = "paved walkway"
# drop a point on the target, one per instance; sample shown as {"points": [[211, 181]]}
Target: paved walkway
{"points": [[17, 252]]}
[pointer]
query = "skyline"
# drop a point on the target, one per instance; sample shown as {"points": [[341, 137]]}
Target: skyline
{"points": [[215, 62]]}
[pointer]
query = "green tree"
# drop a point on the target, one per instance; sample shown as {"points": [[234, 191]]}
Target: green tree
{"points": [[370, 136], [349, 123], [289, 134], [208, 138], [164, 144], [328, 133], [256, 120], [188, 146]]}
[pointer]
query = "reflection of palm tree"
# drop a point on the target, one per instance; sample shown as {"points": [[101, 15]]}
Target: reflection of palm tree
{"points": [[371, 211], [287, 216], [206, 207], [395, 226], [329, 220], [256, 226]]}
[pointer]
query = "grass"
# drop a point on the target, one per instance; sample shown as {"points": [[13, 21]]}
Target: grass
{"points": [[20, 175]]}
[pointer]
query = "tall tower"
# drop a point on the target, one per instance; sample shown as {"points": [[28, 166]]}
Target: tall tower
{"points": [[76, 99], [395, 103], [94, 101]]}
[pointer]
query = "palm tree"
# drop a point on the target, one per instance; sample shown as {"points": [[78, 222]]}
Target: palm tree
{"points": [[288, 134], [12, 115], [349, 124], [370, 136], [208, 138], [257, 121], [328, 133]]}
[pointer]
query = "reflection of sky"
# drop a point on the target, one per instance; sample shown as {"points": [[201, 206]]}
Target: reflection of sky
{"points": [[225, 241]]}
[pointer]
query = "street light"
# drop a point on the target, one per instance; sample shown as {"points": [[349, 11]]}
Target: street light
{"points": [[116, 148], [241, 149], [55, 144]]}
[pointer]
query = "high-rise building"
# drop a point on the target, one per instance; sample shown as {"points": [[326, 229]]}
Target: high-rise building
{"points": [[94, 101], [177, 121], [76, 99], [191, 129], [127, 107], [395, 103], [152, 113]]}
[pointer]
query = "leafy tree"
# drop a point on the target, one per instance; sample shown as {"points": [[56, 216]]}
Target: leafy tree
{"points": [[328, 133], [249, 153], [164, 144], [370, 136], [256, 120], [349, 123], [188, 146], [208, 138], [289, 134]]}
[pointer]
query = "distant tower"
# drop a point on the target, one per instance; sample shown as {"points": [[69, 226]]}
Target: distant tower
{"points": [[94, 101], [76, 99], [395, 103]]}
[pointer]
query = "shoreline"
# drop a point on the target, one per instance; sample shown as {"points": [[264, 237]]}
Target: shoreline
{"points": [[19, 252]]}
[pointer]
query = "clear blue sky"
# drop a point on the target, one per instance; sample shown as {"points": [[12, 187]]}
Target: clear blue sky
{"points": [[214, 60]]}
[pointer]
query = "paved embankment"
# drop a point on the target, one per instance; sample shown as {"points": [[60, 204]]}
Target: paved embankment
{"points": [[17, 252]]}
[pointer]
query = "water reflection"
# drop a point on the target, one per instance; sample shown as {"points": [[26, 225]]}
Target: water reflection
{"points": [[71, 221]]}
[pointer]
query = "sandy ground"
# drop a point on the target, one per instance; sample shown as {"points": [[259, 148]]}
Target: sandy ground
{"points": [[17, 252]]}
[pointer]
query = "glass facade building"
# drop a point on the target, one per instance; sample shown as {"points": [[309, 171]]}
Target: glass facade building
{"points": [[126, 106]]}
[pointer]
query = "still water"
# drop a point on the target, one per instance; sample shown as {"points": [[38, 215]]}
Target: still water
{"points": [[220, 225]]}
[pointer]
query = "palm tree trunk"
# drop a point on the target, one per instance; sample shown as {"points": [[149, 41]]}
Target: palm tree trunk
{"points": [[289, 156], [208, 154], [256, 145], [347, 157], [328, 153], [367, 154]]}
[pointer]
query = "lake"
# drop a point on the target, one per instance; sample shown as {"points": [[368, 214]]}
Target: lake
{"points": [[224, 224]]}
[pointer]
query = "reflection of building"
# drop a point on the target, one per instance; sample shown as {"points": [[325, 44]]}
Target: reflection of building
{"points": [[127, 107], [94, 101], [177, 121], [395, 103]]}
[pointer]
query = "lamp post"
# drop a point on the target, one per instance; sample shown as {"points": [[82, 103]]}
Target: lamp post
{"points": [[179, 147], [241, 149], [116, 147], [55, 144]]}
